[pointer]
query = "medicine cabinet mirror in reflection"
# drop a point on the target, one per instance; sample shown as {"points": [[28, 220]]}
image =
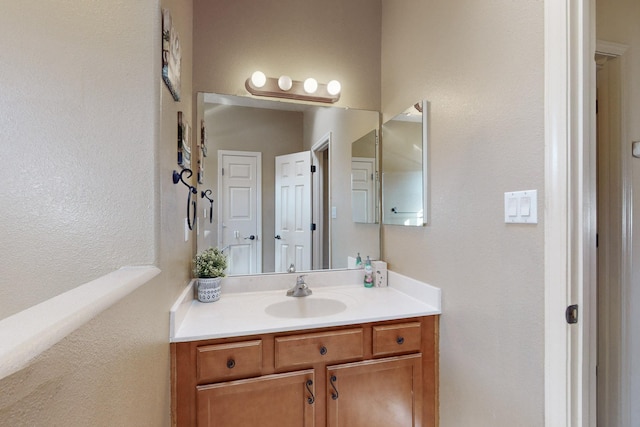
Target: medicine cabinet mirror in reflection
{"points": [[404, 167], [267, 140], [364, 179]]}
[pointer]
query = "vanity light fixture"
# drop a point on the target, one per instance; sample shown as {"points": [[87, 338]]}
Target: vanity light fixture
{"points": [[258, 79], [284, 87], [334, 87], [310, 85], [285, 83]]}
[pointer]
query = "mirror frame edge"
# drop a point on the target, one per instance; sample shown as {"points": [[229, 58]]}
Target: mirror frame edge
{"points": [[426, 112]]}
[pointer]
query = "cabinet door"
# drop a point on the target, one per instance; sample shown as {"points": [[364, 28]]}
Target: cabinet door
{"points": [[282, 400], [375, 393]]}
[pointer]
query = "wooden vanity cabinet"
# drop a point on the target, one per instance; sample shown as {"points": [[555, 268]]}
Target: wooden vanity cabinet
{"points": [[376, 393], [279, 400], [373, 374]]}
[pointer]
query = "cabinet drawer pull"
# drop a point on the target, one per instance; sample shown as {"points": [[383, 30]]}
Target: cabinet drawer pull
{"points": [[400, 340], [334, 393], [323, 350], [311, 398], [231, 363]]}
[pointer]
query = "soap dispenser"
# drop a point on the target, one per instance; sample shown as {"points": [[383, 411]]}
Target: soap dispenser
{"points": [[368, 273]]}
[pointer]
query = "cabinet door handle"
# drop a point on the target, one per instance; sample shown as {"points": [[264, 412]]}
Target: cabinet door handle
{"points": [[231, 363], [323, 350], [311, 398], [334, 393], [400, 340]]}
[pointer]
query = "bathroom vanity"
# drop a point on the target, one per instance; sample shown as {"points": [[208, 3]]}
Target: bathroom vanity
{"points": [[343, 356]]}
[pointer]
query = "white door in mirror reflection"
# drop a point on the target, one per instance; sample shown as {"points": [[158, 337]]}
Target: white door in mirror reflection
{"points": [[362, 189], [240, 210], [293, 211]]}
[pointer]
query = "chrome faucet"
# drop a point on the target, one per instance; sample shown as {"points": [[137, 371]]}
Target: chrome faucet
{"points": [[300, 289]]}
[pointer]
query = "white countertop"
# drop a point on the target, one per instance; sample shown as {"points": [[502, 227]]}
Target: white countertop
{"points": [[241, 310]]}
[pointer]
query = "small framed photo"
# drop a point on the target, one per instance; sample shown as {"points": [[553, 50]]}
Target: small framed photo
{"points": [[203, 152], [203, 139], [184, 142]]}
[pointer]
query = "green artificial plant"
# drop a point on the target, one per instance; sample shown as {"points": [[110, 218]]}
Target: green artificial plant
{"points": [[210, 263]]}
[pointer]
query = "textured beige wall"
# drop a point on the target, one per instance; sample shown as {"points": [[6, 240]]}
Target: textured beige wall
{"points": [[88, 139], [68, 154], [325, 39], [617, 21], [481, 66]]}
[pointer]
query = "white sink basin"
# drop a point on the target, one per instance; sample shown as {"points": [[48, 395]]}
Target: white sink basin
{"points": [[304, 307]]}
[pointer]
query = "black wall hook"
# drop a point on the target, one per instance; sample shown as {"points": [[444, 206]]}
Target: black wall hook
{"points": [[205, 194], [177, 177], [191, 204]]}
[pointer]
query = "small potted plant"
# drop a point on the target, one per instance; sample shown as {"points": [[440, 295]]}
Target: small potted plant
{"points": [[209, 267]]}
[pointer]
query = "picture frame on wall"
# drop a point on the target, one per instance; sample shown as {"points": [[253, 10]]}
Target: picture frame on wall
{"points": [[203, 152], [171, 56], [184, 142]]}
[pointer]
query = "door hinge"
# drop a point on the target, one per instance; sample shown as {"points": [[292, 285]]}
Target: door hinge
{"points": [[313, 168], [572, 314], [597, 240], [313, 227], [222, 171]]}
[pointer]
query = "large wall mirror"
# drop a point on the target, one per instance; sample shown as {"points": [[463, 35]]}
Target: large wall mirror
{"points": [[280, 176], [404, 167]]}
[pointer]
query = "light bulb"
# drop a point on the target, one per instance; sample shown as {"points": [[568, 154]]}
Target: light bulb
{"points": [[310, 85], [333, 87], [285, 83], [258, 79]]}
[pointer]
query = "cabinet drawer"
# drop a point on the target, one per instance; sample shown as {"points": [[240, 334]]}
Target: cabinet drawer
{"points": [[307, 349], [221, 362], [400, 338]]}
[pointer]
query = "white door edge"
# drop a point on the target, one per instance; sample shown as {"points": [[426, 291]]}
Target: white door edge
{"points": [[322, 144], [618, 50], [569, 219]]}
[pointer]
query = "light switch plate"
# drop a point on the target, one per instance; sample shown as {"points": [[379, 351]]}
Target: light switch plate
{"points": [[521, 207]]}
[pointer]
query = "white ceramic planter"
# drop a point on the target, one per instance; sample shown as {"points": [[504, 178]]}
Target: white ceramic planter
{"points": [[209, 289]]}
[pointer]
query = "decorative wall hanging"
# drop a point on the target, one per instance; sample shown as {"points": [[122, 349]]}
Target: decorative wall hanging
{"points": [[203, 152], [191, 201], [171, 55], [184, 142], [206, 195]]}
